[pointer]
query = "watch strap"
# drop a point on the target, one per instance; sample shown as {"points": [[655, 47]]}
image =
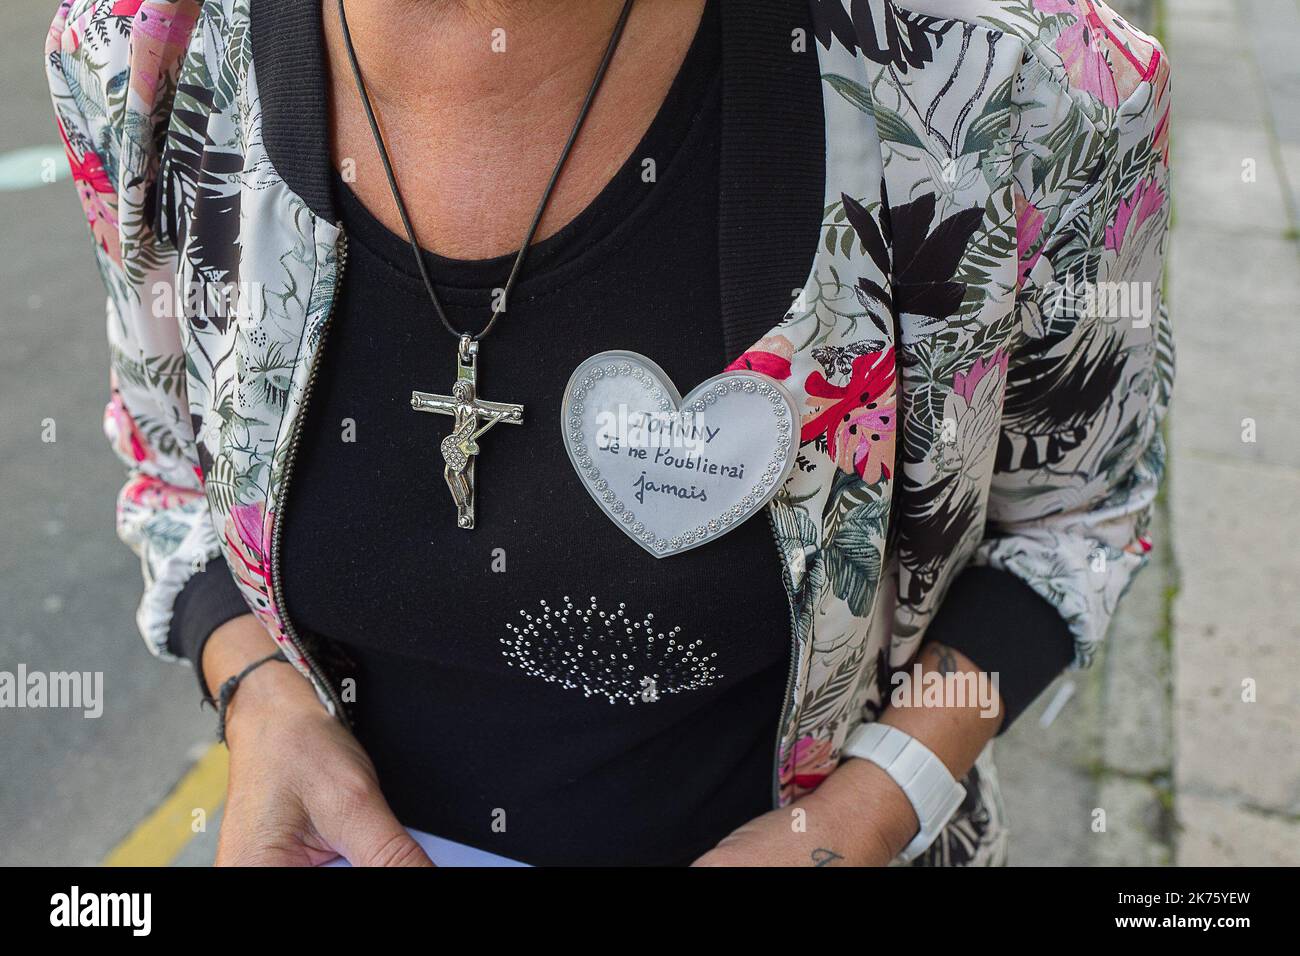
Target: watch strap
{"points": [[930, 788]]}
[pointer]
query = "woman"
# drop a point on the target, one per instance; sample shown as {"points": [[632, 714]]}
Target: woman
{"points": [[950, 213]]}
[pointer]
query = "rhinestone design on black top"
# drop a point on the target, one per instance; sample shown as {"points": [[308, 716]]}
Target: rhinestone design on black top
{"points": [[607, 654]]}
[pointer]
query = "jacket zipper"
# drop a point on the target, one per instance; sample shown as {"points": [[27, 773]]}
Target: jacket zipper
{"points": [[794, 656], [277, 588]]}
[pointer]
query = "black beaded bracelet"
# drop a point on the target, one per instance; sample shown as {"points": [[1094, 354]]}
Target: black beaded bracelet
{"points": [[228, 688]]}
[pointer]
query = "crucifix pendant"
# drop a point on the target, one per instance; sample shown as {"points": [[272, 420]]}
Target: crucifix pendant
{"points": [[471, 417]]}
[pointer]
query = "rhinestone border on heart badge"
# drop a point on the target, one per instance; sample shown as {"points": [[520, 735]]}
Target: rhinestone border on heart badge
{"points": [[665, 397]]}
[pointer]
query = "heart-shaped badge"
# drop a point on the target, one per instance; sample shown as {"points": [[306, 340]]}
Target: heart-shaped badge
{"points": [[675, 473]]}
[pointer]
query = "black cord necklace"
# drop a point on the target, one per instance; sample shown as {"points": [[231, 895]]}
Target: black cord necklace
{"points": [[471, 416]]}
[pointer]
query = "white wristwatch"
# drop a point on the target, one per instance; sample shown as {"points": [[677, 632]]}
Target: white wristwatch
{"points": [[930, 788]]}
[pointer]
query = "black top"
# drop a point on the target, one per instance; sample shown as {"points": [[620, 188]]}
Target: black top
{"points": [[618, 708], [611, 777]]}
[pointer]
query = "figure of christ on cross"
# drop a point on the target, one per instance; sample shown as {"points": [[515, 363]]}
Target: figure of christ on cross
{"points": [[471, 417]]}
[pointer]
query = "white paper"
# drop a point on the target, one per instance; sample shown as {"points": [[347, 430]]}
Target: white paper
{"points": [[449, 853]]}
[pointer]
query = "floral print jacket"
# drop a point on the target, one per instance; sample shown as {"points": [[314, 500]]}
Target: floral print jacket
{"points": [[980, 349]]}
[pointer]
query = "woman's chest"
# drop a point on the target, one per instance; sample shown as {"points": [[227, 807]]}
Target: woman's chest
{"points": [[545, 585]]}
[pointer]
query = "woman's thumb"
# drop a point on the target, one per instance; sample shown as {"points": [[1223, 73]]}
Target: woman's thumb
{"points": [[372, 836]]}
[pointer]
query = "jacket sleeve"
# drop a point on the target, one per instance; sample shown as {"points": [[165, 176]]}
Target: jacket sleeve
{"points": [[1088, 379], [111, 76]]}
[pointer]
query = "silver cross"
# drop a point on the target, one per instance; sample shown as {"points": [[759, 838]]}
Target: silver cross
{"points": [[471, 417]]}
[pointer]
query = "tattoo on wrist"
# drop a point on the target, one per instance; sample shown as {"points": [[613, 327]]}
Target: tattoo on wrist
{"points": [[824, 857], [946, 661]]}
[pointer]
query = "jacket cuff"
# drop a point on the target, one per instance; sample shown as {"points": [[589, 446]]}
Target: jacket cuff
{"points": [[209, 599], [1005, 628]]}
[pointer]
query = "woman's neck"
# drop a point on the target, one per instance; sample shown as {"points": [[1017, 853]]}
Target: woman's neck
{"points": [[456, 52], [476, 97]]}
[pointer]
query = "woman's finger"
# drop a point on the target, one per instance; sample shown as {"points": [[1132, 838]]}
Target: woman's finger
{"points": [[369, 835]]}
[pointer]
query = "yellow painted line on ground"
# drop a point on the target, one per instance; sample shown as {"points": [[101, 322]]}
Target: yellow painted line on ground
{"points": [[161, 836]]}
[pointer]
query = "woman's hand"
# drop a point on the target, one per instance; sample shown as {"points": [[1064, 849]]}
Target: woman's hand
{"points": [[857, 817], [301, 789]]}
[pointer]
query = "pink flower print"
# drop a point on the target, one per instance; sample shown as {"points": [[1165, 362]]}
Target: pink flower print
{"points": [[151, 492], [158, 30], [975, 408], [247, 523], [859, 420], [243, 546], [1144, 202], [1029, 227], [770, 355], [966, 383], [808, 765], [1101, 54], [122, 433]]}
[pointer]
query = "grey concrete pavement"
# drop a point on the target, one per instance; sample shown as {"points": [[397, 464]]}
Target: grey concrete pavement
{"points": [[1164, 734], [1235, 491], [1109, 750]]}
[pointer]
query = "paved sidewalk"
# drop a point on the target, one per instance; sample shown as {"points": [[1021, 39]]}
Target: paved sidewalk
{"points": [[1110, 749], [1235, 493], [1205, 775]]}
